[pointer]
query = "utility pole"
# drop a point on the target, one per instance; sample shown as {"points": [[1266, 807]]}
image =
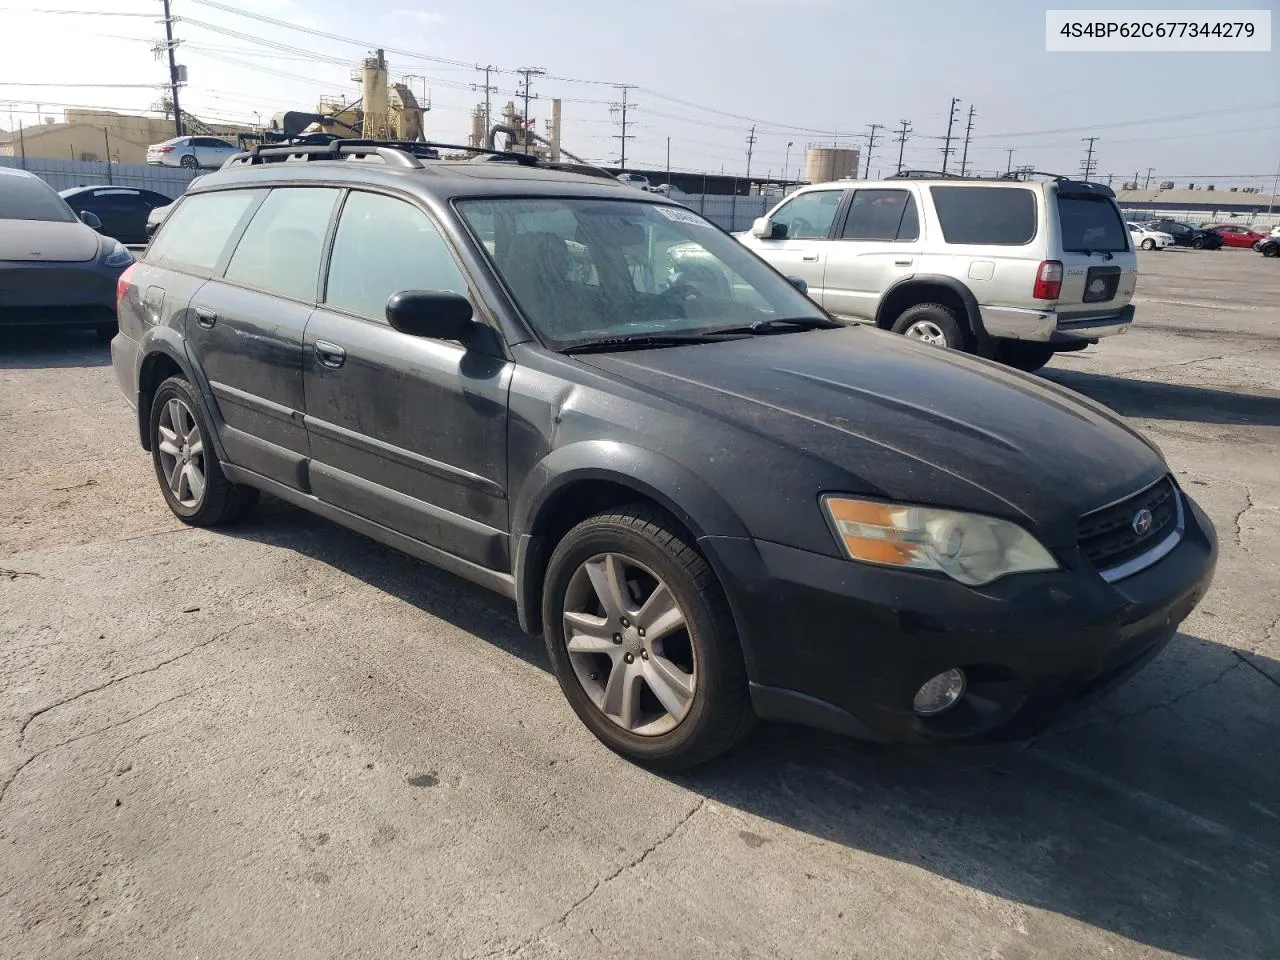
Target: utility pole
{"points": [[751, 145], [871, 145], [1088, 157], [951, 119], [1150, 170], [1008, 169], [901, 141], [621, 109], [488, 89], [964, 157], [173, 69], [527, 73]]}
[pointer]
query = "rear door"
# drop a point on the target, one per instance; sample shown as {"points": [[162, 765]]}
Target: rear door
{"points": [[810, 219], [1099, 269], [247, 327], [877, 244]]}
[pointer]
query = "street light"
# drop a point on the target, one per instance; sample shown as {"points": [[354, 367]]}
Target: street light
{"points": [[786, 164]]}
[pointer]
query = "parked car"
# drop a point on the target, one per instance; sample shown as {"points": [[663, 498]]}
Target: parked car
{"points": [[154, 219], [1269, 246], [1236, 236], [634, 180], [192, 152], [55, 268], [714, 505], [1274, 234], [1015, 271], [1146, 238], [1186, 235], [123, 211]]}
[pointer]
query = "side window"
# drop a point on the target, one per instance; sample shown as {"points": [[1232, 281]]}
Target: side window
{"points": [[281, 249], [882, 215], [997, 216], [809, 216], [384, 246], [198, 229]]}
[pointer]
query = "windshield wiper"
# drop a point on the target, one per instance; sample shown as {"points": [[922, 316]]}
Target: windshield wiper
{"points": [[782, 324], [644, 341]]}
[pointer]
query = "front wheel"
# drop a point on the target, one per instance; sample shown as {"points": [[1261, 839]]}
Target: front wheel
{"points": [[1148, 244], [1197, 243], [1025, 356], [642, 640], [932, 323], [189, 161]]}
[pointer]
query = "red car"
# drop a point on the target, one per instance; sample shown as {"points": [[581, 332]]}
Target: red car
{"points": [[1236, 236]]}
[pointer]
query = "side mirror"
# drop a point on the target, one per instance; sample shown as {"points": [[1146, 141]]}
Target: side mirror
{"points": [[90, 219], [799, 283], [766, 229], [438, 314]]}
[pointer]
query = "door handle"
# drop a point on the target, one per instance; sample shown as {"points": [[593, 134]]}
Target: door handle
{"points": [[810, 258], [205, 317], [330, 354], [902, 263]]}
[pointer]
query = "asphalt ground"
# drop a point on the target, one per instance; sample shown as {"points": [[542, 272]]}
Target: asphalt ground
{"points": [[282, 740]]}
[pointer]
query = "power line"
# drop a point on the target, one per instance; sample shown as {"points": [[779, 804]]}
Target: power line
{"points": [[968, 130], [951, 119], [1270, 105]]}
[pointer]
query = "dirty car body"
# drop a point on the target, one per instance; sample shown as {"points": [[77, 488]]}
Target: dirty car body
{"points": [[773, 448]]}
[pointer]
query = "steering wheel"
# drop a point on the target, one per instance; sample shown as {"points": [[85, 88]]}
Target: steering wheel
{"points": [[800, 228]]}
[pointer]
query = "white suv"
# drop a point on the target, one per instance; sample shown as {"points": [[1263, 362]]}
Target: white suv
{"points": [[1006, 269]]}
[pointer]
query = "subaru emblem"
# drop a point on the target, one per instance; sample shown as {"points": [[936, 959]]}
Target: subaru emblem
{"points": [[1142, 522]]}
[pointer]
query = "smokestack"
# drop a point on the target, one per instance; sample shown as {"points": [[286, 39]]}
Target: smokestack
{"points": [[477, 127], [554, 131]]}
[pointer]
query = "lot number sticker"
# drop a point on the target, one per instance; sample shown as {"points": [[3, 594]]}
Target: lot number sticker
{"points": [[681, 215]]}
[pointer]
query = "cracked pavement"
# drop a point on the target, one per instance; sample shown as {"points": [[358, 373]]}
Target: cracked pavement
{"points": [[283, 740]]}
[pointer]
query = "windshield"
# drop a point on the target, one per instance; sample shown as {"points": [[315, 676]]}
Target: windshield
{"points": [[1091, 224], [24, 199], [582, 270]]}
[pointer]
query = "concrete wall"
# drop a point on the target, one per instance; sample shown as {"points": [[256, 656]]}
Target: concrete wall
{"points": [[64, 174]]}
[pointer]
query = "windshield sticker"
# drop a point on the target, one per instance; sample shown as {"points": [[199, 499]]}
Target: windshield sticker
{"points": [[681, 215]]}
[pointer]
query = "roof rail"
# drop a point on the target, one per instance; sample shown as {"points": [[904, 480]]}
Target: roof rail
{"points": [[923, 175], [399, 153]]}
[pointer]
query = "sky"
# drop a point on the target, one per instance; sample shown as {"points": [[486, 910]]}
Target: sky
{"points": [[704, 71]]}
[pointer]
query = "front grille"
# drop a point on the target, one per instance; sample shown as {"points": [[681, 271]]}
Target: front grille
{"points": [[1108, 537]]}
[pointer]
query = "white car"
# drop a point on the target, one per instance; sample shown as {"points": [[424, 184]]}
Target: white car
{"points": [[194, 153], [634, 180], [1148, 239]]}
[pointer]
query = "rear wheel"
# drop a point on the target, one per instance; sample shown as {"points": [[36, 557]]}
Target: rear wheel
{"points": [[933, 323], [189, 161], [1271, 250], [642, 640], [192, 481], [1148, 244], [1022, 355]]}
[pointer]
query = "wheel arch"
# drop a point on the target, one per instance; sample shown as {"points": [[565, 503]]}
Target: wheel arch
{"points": [[930, 288], [164, 355], [579, 480]]}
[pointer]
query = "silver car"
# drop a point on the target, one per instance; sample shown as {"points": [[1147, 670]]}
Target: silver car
{"points": [[194, 153], [1011, 270]]}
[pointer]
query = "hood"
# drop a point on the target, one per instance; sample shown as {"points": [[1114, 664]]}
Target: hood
{"points": [[909, 422], [47, 241]]}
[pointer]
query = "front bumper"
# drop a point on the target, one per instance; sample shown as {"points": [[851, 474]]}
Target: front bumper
{"points": [[844, 646], [57, 294], [1049, 326]]}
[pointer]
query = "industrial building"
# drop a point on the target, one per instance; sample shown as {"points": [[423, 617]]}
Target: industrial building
{"points": [[102, 135]]}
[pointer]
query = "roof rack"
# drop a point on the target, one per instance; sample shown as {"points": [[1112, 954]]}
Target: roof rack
{"points": [[398, 153], [923, 175]]}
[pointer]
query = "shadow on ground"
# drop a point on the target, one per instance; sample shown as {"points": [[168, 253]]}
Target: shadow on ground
{"points": [[1154, 814], [1154, 400], [51, 348]]}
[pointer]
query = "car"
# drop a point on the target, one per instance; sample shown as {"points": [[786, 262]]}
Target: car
{"points": [[154, 219], [1236, 236], [1274, 234], [634, 180], [1148, 239], [123, 211], [1015, 271], [1186, 235], [193, 153], [1269, 246], [714, 505], [55, 268]]}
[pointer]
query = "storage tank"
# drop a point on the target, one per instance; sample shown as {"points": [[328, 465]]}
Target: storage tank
{"points": [[830, 163]]}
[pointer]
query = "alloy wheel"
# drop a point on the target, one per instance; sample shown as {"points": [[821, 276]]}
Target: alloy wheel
{"points": [[926, 331], [628, 641], [182, 453]]}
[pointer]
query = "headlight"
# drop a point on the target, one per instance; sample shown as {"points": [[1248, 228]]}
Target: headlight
{"points": [[119, 256], [967, 547]]}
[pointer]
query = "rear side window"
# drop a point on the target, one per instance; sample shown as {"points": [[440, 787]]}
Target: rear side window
{"points": [[383, 246], [197, 231], [990, 216], [281, 248], [882, 215], [1091, 223]]}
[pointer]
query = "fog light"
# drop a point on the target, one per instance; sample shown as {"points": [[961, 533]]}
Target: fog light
{"points": [[939, 694]]}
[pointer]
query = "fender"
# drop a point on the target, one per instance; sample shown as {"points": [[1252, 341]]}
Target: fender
{"points": [[167, 341], [653, 476], [972, 313]]}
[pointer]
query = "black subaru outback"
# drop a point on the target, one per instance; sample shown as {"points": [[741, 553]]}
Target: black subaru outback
{"points": [[715, 502]]}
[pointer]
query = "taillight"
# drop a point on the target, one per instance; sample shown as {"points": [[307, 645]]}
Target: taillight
{"points": [[1048, 281], [122, 285], [164, 149]]}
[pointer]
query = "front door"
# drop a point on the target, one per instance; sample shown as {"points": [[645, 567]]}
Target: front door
{"points": [[878, 244], [809, 219], [405, 431]]}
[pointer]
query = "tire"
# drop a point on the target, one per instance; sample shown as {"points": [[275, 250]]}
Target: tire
{"points": [[1148, 244], [648, 553], [933, 323], [189, 161], [1198, 243], [1271, 250], [219, 500], [1023, 355]]}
